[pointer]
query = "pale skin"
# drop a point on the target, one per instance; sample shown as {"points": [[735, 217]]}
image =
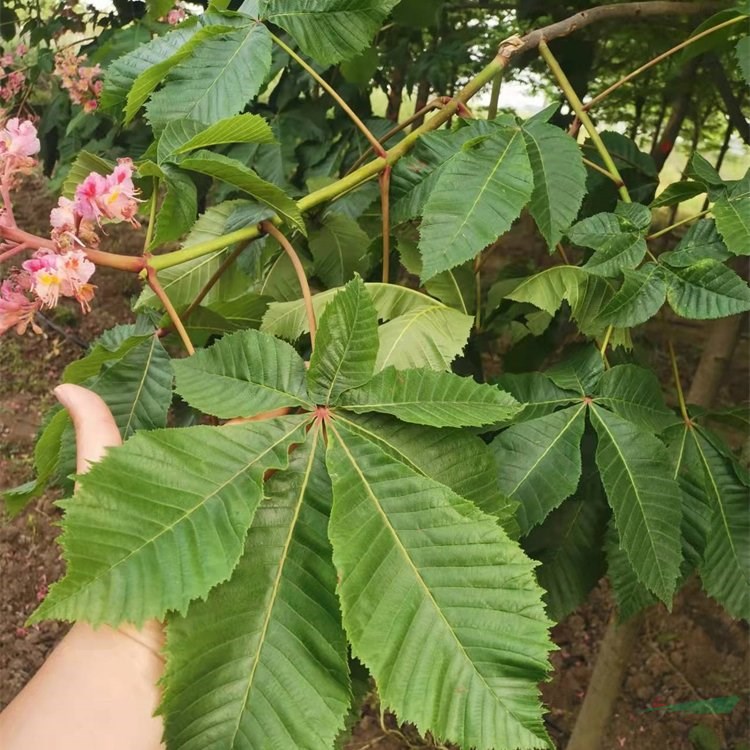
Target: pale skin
{"points": [[98, 688]]}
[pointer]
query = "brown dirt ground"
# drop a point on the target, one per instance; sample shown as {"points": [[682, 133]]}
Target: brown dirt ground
{"points": [[696, 651]]}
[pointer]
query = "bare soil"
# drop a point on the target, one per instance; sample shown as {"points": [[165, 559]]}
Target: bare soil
{"points": [[695, 652]]}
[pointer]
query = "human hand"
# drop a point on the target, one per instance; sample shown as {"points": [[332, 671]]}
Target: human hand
{"points": [[98, 688]]}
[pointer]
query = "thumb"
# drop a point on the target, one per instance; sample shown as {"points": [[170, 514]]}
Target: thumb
{"points": [[93, 422]]}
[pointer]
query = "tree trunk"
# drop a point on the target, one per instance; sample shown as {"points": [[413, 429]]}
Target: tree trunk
{"points": [[618, 644], [719, 76], [395, 95], [423, 95]]}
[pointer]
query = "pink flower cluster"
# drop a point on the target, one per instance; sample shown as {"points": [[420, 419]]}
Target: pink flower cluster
{"points": [[175, 16], [63, 270], [11, 80], [80, 81]]}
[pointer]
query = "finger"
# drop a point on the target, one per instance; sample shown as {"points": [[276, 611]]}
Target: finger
{"points": [[93, 422]]}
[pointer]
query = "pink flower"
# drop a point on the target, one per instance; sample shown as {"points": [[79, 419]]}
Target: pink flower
{"points": [[19, 138], [63, 217], [66, 274], [16, 309], [111, 197], [78, 79], [175, 16]]}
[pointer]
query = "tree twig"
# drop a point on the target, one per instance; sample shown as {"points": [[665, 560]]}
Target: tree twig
{"points": [[158, 290]]}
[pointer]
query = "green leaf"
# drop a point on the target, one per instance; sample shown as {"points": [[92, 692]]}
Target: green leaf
{"points": [[223, 74], [126, 70], [137, 388], [178, 209], [238, 175], [547, 289], [636, 215], [539, 462], [339, 249], [635, 394], [580, 371], [732, 214], [538, 394], [46, 461], [329, 30], [559, 179], [288, 319], [273, 630], [431, 337], [437, 399], [641, 296], [238, 314], [743, 57], [415, 176], [615, 248], [456, 287], [701, 241], [120, 341], [678, 192], [568, 544], [478, 195], [703, 171], [725, 571], [636, 474], [242, 375], [630, 594], [453, 457], [149, 78], [245, 128], [714, 41], [706, 290], [346, 345], [166, 515], [695, 484], [424, 601]]}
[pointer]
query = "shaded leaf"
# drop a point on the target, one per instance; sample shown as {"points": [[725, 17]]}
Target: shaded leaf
{"points": [[339, 249], [641, 296], [701, 241], [539, 462], [635, 471]]}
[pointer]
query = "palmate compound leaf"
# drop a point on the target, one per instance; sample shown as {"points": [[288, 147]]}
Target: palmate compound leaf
{"points": [[346, 347], [477, 197], [329, 30], [725, 570], [437, 399], [438, 603], [636, 473], [262, 662], [539, 462], [241, 375], [559, 179], [453, 457], [163, 519], [222, 75]]}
